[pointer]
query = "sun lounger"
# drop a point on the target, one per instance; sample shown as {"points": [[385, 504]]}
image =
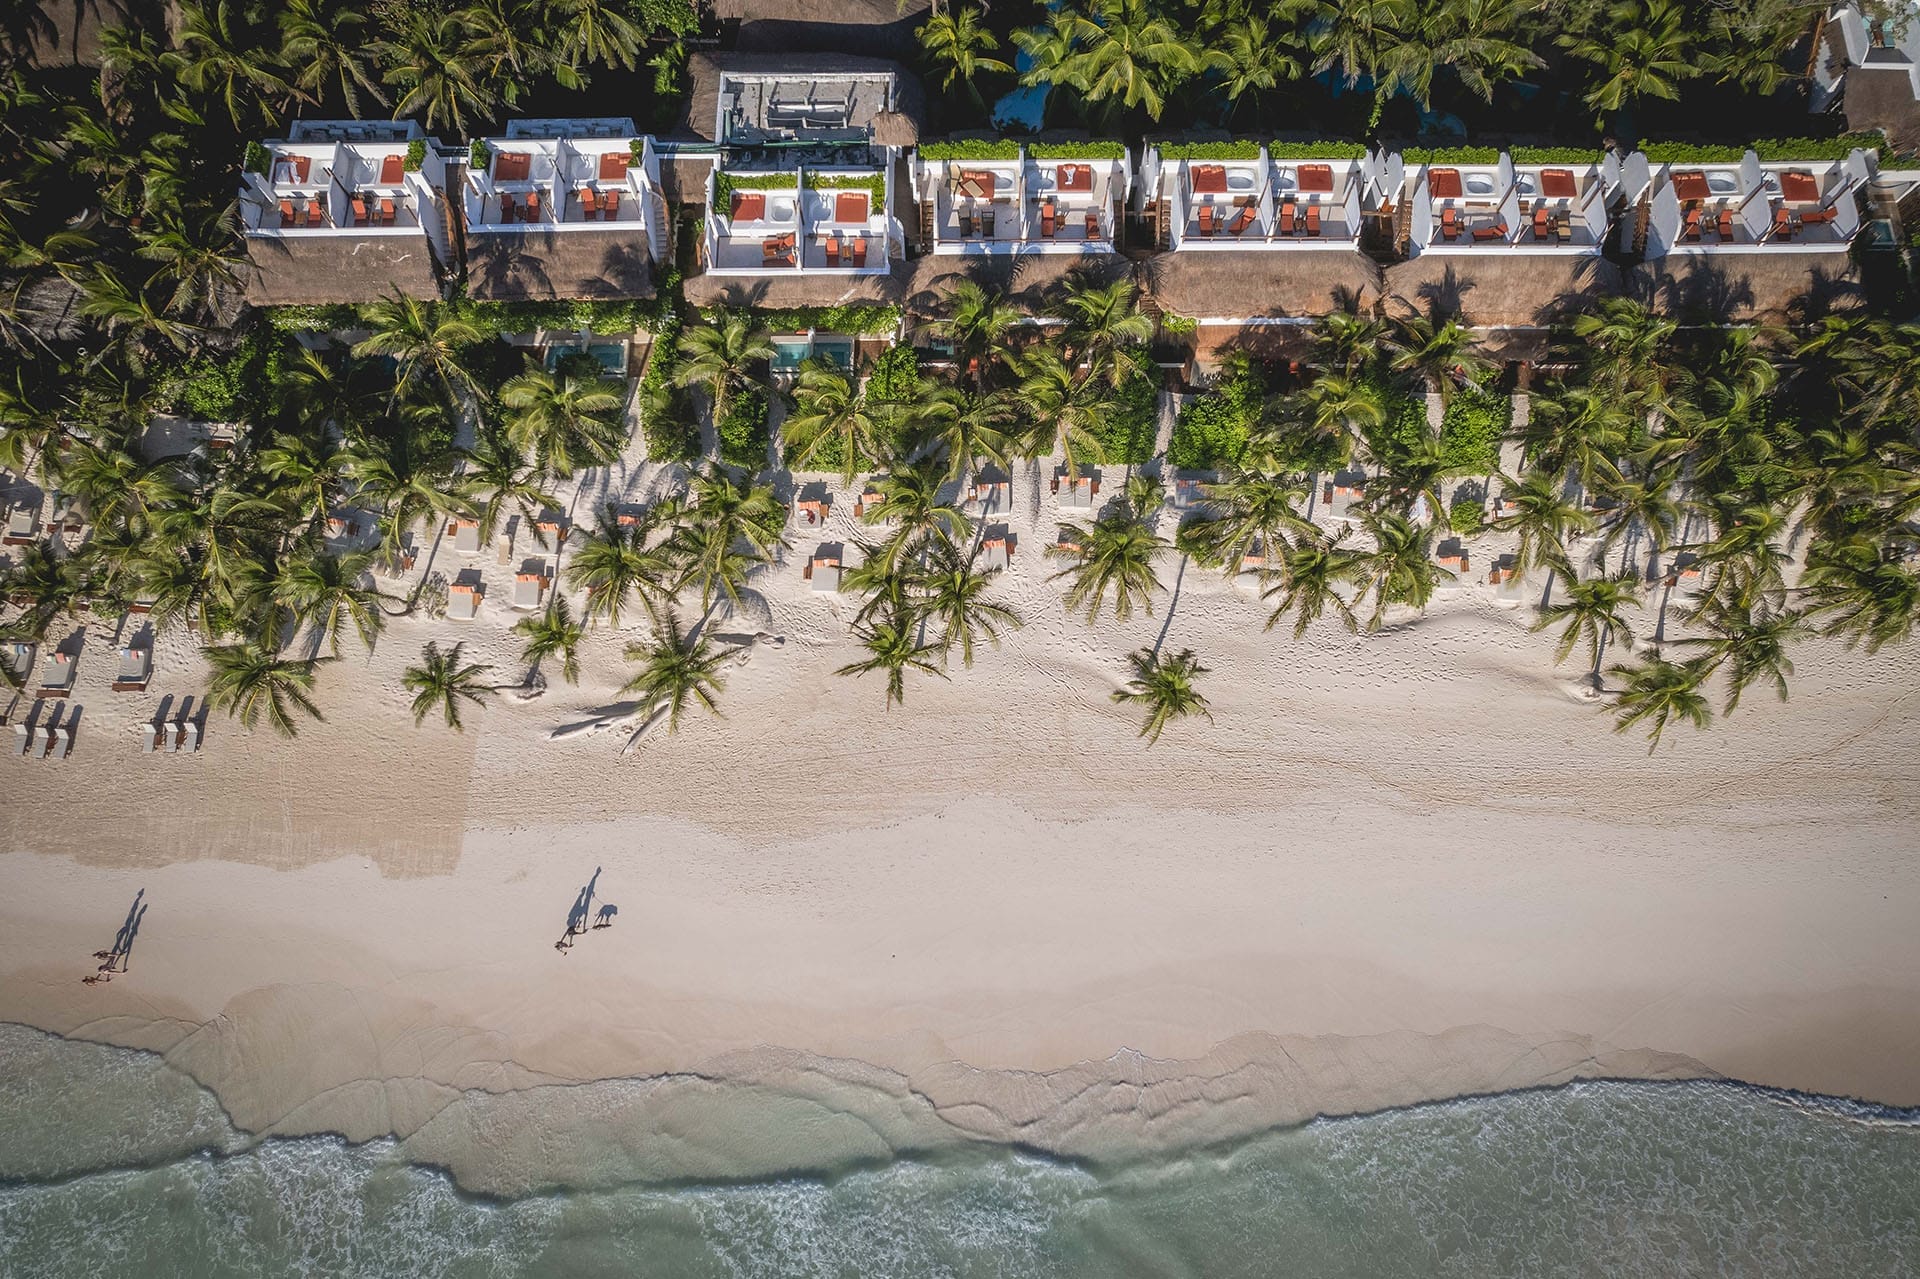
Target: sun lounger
{"points": [[528, 589], [551, 532], [1286, 217], [1542, 222], [463, 602], [1827, 214], [149, 738], [1093, 224], [56, 676], [589, 203], [1782, 224], [22, 523], [613, 165], [1243, 219], [390, 169], [62, 744], [1449, 224], [360, 210], [466, 536], [506, 207], [1205, 214], [1047, 223], [136, 665], [1313, 219], [23, 737], [286, 213], [833, 250], [860, 252], [316, 216], [533, 206], [386, 210], [609, 206], [1491, 231]]}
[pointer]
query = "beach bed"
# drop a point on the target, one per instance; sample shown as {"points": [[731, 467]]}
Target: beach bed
{"points": [[823, 571], [465, 535], [56, 676], [136, 666], [463, 602], [22, 523], [529, 590]]}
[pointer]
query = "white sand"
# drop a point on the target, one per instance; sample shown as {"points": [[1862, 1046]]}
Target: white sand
{"points": [[1398, 866]]}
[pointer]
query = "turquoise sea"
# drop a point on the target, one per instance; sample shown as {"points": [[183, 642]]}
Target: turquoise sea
{"points": [[111, 1162]]}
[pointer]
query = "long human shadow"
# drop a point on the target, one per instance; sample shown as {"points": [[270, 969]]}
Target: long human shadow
{"points": [[577, 917], [117, 958]]}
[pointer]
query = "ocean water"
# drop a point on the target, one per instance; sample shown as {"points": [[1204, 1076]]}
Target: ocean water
{"points": [[110, 1162]]}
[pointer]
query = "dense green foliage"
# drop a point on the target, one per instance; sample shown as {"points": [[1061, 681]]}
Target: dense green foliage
{"points": [[1554, 155], [1450, 155], [895, 375], [1077, 150], [1211, 433], [859, 319], [1281, 150], [743, 432], [1475, 421], [1126, 430], [1239, 150], [667, 421], [970, 149]]}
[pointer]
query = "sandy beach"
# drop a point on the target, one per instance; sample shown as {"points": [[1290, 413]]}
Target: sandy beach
{"points": [[1399, 866]]}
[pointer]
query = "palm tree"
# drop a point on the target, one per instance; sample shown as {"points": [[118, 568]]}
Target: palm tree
{"points": [[325, 46], [1130, 53], [430, 65], [251, 679], [1623, 342], [953, 599], [1063, 410], [957, 44], [1399, 569], [832, 419], [552, 633], [892, 647], [390, 474], [1114, 555], [1256, 513], [965, 428], [565, 423], [728, 514], [1640, 503], [1316, 567], [511, 45], [1105, 325], [1542, 516], [1441, 353], [424, 339], [980, 325], [213, 54], [677, 669], [615, 563], [595, 31], [1752, 644], [327, 593], [1252, 56], [199, 256], [134, 310], [499, 469], [440, 680], [1164, 686], [1658, 692], [1592, 610], [1345, 341], [43, 585], [1864, 592], [1465, 37], [1343, 408], [719, 356], [909, 499], [1643, 50], [1579, 433], [1745, 563]]}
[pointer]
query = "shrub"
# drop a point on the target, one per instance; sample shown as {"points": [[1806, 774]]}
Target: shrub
{"points": [[479, 155], [258, 159], [637, 152], [971, 149], [1467, 515], [873, 184], [416, 155], [1451, 155], [624, 315], [671, 434], [228, 386], [1471, 431], [1177, 325], [1555, 155], [327, 318], [1077, 150], [1316, 150], [1209, 150], [1405, 425], [1211, 433], [857, 319], [743, 431], [895, 375], [1126, 433]]}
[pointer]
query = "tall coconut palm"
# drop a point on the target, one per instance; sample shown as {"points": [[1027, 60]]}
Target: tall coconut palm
{"points": [[1112, 556], [965, 428], [1163, 687], [619, 562], [424, 340], [43, 586], [1659, 692], [735, 528], [595, 31], [893, 645], [1625, 343], [497, 468], [552, 633], [1252, 513], [1064, 410], [1745, 562], [1252, 55], [979, 324], [1105, 326], [251, 679], [1580, 433], [565, 423], [1861, 591], [1471, 39], [1130, 54], [1542, 516], [1643, 50], [1639, 504], [325, 47], [216, 54], [1315, 569], [721, 357], [910, 500], [511, 47], [1344, 342], [328, 593], [305, 470], [1752, 644], [832, 419], [428, 62], [1400, 568], [1441, 352], [199, 256], [1593, 610], [136, 312], [678, 669], [953, 600], [1342, 409], [440, 680], [405, 485], [958, 46]]}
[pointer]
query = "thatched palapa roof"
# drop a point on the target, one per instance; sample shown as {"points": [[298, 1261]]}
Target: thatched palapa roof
{"points": [[1500, 290], [547, 265], [295, 270], [919, 287], [1247, 284], [1779, 286]]}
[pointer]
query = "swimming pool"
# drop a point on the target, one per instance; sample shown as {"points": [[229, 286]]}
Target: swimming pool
{"points": [[612, 356]]}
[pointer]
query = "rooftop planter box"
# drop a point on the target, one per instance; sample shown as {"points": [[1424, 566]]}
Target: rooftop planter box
{"points": [[971, 149], [1076, 151], [1451, 155], [1317, 150], [1209, 150]]}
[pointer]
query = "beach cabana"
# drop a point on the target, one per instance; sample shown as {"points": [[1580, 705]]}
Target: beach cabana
{"points": [[824, 570], [529, 589], [465, 535], [989, 496], [996, 552], [23, 738], [56, 676], [1077, 492], [149, 737], [22, 523], [136, 666], [463, 601]]}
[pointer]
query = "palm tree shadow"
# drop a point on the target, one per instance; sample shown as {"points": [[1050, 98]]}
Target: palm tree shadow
{"points": [[1179, 578], [508, 270]]}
